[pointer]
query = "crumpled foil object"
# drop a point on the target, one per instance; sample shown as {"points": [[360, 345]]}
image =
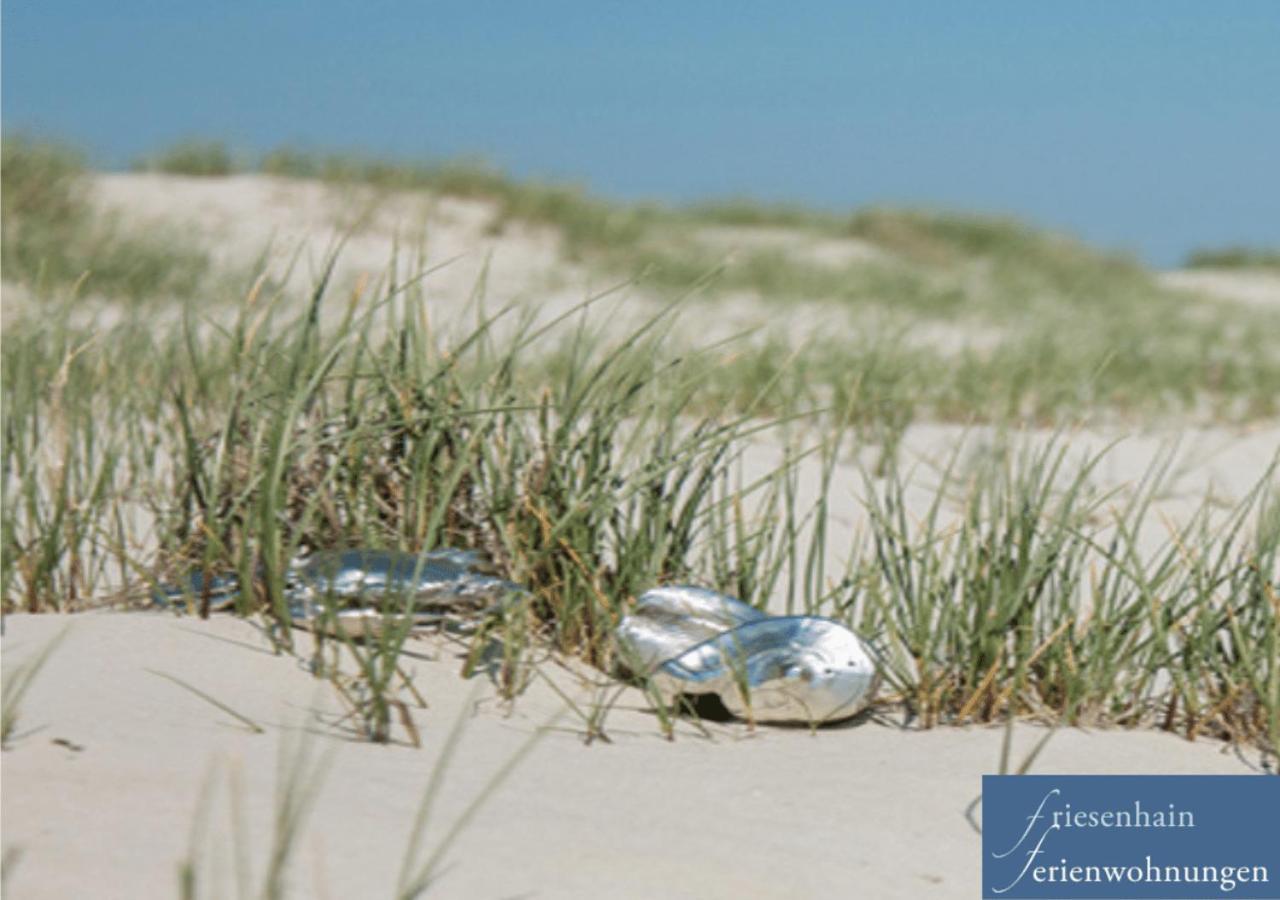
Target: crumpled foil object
{"points": [[361, 587], [798, 669], [685, 640]]}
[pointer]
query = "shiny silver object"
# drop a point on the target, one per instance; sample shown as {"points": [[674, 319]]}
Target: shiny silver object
{"points": [[685, 640], [667, 621], [430, 588], [359, 591], [802, 669]]}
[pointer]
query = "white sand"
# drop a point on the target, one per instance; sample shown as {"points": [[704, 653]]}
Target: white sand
{"points": [[238, 216], [1253, 287], [302, 222], [869, 810]]}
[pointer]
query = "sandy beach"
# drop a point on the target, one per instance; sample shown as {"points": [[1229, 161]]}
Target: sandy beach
{"points": [[103, 783]]}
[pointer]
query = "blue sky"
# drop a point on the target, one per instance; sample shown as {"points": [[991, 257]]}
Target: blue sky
{"points": [[1148, 126]]}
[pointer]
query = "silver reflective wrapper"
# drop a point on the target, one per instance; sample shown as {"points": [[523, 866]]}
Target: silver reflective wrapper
{"points": [[802, 669], [667, 621], [359, 591], [364, 585]]}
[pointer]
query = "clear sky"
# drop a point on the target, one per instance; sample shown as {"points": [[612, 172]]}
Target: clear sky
{"points": [[1149, 125]]}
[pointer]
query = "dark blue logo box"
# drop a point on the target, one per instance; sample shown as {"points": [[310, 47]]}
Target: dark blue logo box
{"points": [[1130, 836]]}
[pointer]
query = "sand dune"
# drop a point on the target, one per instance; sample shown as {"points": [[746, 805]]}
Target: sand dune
{"points": [[1257, 288], [103, 783]]}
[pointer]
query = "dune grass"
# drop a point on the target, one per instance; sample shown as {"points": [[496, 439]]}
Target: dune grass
{"points": [[244, 720], [17, 681], [1234, 258], [56, 241], [301, 773], [138, 451], [665, 240], [1063, 329], [605, 472], [417, 874], [194, 156], [1138, 367], [379, 686], [951, 316], [300, 778], [1042, 599]]}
